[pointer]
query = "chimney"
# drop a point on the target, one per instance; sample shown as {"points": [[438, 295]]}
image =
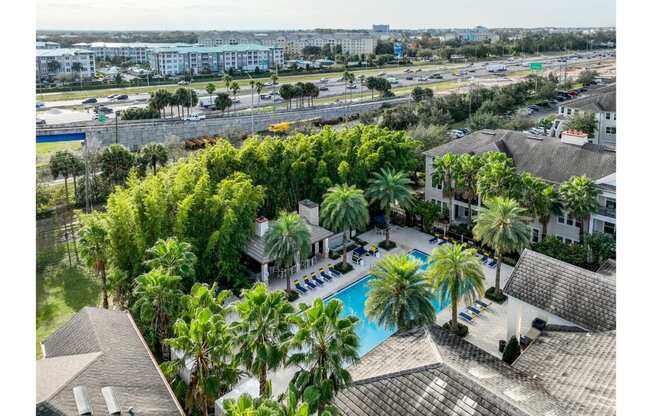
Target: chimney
{"points": [[310, 211], [574, 137], [261, 226]]}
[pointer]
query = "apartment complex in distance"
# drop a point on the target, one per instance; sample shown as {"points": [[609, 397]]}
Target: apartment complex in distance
{"points": [[47, 45], [53, 63], [551, 159], [292, 43], [134, 52], [214, 59], [602, 103]]}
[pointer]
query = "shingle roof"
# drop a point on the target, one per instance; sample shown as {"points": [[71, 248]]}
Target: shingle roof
{"points": [[600, 100], [255, 248], [545, 157], [579, 369], [101, 348], [455, 378], [608, 268], [581, 296]]}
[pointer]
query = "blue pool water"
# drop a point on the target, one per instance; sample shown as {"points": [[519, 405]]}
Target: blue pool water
{"points": [[353, 298]]}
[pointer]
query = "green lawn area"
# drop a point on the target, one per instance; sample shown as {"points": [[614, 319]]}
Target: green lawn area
{"points": [[46, 148], [60, 292]]}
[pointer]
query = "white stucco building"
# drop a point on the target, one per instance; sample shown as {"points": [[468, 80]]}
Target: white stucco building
{"points": [[51, 63]]}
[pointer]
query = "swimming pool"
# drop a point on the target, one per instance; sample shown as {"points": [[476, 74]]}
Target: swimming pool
{"points": [[353, 298]]}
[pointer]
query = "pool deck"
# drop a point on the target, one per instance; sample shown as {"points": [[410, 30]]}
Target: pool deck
{"points": [[484, 331]]}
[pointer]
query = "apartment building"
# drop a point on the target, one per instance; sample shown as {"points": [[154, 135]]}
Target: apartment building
{"points": [[602, 103], [548, 158], [133, 52], [52, 63], [47, 45], [217, 59], [293, 43]]}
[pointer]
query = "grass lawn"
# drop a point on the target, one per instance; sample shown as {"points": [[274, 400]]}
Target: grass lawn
{"points": [[60, 292], [45, 150]]}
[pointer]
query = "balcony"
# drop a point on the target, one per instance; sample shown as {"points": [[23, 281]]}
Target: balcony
{"points": [[607, 212]]}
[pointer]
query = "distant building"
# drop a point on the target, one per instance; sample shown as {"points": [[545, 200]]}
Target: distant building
{"points": [[380, 28], [51, 63], [478, 34], [218, 59], [47, 45], [98, 363], [133, 51]]}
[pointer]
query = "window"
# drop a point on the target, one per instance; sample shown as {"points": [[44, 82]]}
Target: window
{"points": [[610, 228], [561, 219], [611, 130], [535, 235], [608, 116], [610, 203]]}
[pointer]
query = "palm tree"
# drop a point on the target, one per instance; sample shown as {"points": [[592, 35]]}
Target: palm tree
{"points": [[157, 303], [288, 241], [53, 66], [259, 86], [210, 89], [580, 197], [227, 82], [445, 169], [455, 273], [173, 257], [235, 87], [94, 247], [344, 208], [399, 296], [274, 79], [540, 199], [263, 330], [64, 163], [78, 68], [154, 154], [325, 344], [390, 187], [203, 339], [466, 180], [502, 225]]}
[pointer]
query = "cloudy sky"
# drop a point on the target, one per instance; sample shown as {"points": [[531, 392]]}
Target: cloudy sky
{"points": [[308, 14]]}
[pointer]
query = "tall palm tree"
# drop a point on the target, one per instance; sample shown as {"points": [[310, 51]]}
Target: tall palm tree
{"points": [[344, 208], [502, 225], [78, 68], [455, 273], [288, 241], [263, 330], [259, 86], [274, 79], [466, 179], [390, 187], [203, 339], [580, 197], [173, 257], [399, 296], [64, 163], [94, 247], [324, 345], [235, 87], [158, 297], [445, 169], [154, 154], [540, 199], [228, 79]]}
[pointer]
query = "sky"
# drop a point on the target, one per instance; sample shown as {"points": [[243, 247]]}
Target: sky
{"points": [[310, 14]]}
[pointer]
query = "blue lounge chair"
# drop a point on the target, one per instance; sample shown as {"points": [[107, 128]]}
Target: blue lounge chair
{"points": [[325, 275], [492, 264], [333, 271], [484, 259], [309, 283], [300, 287], [482, 303], [441, 242], [465, 316], [474, 309], [314, 277], [433, 240], [360, 251]]}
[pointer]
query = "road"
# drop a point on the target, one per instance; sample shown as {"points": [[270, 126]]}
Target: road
{"points": [[71, 111]]}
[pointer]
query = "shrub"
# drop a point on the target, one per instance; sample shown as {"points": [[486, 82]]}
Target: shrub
{"points": [[512, 351], [462, 330], [342, 269], [292, 295], [387, 245], [479, 121]]}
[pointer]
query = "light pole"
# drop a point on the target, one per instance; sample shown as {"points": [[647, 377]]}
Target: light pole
{"points": [[251, 105]]}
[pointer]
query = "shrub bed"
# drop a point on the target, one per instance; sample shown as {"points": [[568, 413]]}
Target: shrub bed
{"points": [[340, 267], [292, 295], [387, 245], [462, 330], [489, 294]]}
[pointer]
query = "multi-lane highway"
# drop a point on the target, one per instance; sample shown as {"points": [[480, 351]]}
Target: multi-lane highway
{"points": [[70, 111]]}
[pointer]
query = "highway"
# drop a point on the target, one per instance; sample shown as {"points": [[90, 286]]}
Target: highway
{"points": [[73, 111]]}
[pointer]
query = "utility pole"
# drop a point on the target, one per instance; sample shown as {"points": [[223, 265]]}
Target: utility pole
{"points": [[251, 105], [117, 115], [86, 178]]}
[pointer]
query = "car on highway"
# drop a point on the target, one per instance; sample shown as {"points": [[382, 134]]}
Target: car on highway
{"points": [[382, 74], [112, 96], [351, 87], [40, 104], [436, 76], [408, 70], [323, 88], [268, 84], [422, 79], [122, 97], [182, 83], [265, 96], [340, 79], [418, 70], [103, 109], [323, 81], [194, 117], [392, 80], [40, 122], [409, 78], [90, 100]]}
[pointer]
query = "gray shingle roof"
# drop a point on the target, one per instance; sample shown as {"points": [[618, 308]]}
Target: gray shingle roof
{"points": [[608, 268], [99, 348], [545, 157], [579, 369], [600, 100], [583, 297], [454, 378], [256, 246]]}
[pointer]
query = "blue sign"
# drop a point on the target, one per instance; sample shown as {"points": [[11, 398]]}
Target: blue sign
{"points": [[65, 137], [398, 50]]}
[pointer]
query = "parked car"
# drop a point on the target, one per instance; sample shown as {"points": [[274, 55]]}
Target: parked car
{"points": [[103, 109], [323, 88], [91, 100], [182, 83], [265, 96], [323, 80], [194, 117], [533, 107], [40, 122], [537, 131], [351, 87], [39, 104], [465, 130], [409, 78], [457, 134], [122, 97]]}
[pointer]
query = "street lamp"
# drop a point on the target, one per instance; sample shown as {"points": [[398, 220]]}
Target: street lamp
{"points": [[251, 105]]}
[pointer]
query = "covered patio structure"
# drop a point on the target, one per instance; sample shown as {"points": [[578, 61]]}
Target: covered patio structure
{"points": [[265, 267]]}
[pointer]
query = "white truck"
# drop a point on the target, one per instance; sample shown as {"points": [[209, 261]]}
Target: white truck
{"points": [[496, 68]]}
